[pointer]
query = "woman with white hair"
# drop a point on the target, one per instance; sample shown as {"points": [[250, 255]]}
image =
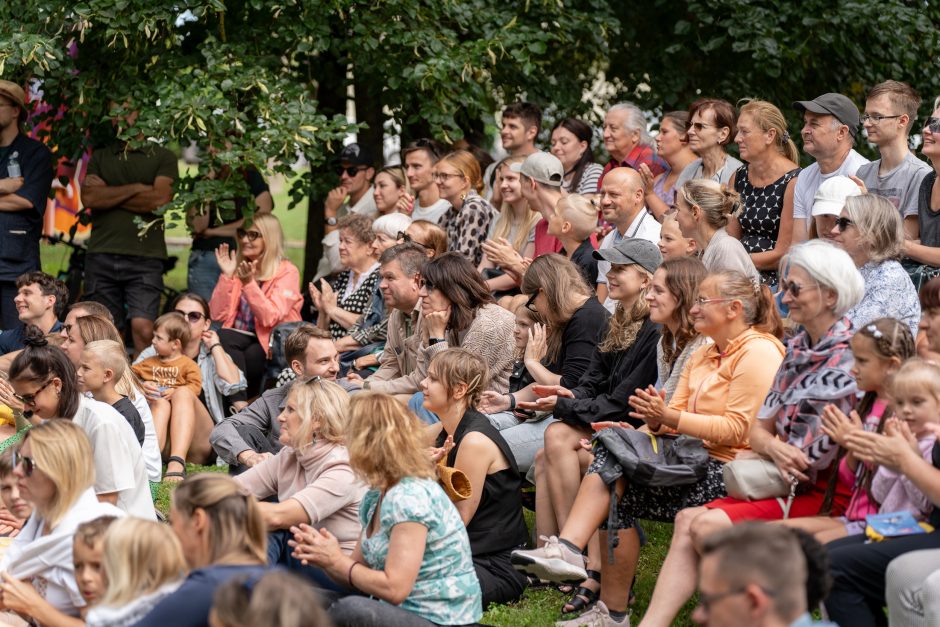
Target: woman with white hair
{"points": [[628, 141], [870, 230], [820, 284]]}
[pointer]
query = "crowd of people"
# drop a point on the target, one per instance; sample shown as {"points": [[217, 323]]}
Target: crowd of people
{"points": [[482, 337]]}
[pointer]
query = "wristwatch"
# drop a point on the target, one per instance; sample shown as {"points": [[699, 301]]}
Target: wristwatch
{"points": [[331, 221]]}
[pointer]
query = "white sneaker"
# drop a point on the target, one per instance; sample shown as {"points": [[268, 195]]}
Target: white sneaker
{"points": [[552, 562], [597, 616]]}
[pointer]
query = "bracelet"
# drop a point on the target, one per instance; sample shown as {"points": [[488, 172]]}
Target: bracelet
{"points": [[349, 574], [213, 347], [512, 401]]}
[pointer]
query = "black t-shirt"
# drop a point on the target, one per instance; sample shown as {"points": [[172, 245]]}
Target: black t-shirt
{"points": [[934, 518], [20, 230], [579, 340], [927, 218], [126, 408], [583, 257], [257, 186]]}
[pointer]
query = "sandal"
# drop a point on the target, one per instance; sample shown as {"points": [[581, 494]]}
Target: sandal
{"points": [[584, 598], [175, 476]]}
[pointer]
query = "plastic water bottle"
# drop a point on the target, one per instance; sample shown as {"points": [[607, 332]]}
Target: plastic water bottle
{"points": [[13, 166]]}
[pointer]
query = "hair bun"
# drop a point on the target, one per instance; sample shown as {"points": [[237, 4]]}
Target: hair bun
{"points": [[34, 337]]}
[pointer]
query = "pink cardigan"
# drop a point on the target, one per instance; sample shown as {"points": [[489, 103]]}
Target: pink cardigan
{"points": [[274, 302]]}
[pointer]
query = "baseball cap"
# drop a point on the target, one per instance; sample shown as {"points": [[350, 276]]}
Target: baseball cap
{"points": [[15, 93], [632, 250], [355, 154], [836, 105], [831, 194], [542, 167]]}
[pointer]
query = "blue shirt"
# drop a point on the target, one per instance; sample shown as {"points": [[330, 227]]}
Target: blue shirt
{"points": [[12, 339]]}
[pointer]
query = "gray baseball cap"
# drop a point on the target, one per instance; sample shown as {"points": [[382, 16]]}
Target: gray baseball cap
{"points": [[542, 167], [835, 105], [632, 250]]}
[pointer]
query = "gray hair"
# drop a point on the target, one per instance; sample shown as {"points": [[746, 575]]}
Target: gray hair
{"points": [[879, 225], [635, 121], [830, 267], [391, 224], [410, 256]]}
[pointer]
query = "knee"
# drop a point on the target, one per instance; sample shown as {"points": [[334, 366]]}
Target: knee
{"points": [[684, 520], [706, 524], [559, 438]]}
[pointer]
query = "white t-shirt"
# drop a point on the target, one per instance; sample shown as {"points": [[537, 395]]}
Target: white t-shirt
{"points": [[433, 213], [811, 178], [119, 460], [901, 185], [151, 447], [644, 226]]}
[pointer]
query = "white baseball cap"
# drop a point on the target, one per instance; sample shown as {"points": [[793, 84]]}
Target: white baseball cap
{"points": [[831, 194]]}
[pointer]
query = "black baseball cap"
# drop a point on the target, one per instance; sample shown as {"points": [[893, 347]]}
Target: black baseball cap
{"points": [[354, 154]]}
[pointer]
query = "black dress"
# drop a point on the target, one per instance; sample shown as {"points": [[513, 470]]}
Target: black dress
{"points": [[497, 527], [760, 220]]}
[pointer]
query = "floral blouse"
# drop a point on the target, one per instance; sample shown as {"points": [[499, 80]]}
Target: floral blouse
{"points": [[889, 293], [447, 591], [468, 227]]}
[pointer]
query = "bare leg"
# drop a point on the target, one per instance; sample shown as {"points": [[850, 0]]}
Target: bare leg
{"points": [[182, 419], [200, 451], [562, 468], [617, 577], [545, 523], [591, 507], [142, 332], [160, 409], [676, 582], [811, 524]]}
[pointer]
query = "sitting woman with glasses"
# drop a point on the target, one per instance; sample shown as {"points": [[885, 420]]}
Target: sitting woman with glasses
{"points": [[925, 249], [256, 292], [819, 283], [338, 304], [720, 390], [871, 231], [55, 471], [468, 220], [46, 384], [426, 234], [711, 127], [310, 475]]}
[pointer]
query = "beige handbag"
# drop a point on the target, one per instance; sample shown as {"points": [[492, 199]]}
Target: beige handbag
{"points": [[455, 482], [759, 479]]}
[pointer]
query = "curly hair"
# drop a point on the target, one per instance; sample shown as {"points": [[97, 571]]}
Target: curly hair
{"points": [[625, 324]]}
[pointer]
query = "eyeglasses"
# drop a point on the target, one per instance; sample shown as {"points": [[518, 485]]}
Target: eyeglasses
{"points": [[192, 316], [351, 171], [428, 285], [313, 380], [29, 464], [705, 601], [701, 301], [530, 304], [30, 399], [444, 176], [699, 126], [251, 235], [843, 223], [794, 288], [932, 125], [876, 119], [407, 238]]}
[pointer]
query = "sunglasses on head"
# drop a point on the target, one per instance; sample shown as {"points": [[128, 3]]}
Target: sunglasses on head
{"points": [[933, 125], [29, 464], [251, 235], [192, 316], [842, 223], [407, 238], [30, 399], [352, 170]]}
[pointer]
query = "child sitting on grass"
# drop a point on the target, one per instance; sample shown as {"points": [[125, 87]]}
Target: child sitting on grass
{"points": [[16, 509], [101, 368], [171, 374]]}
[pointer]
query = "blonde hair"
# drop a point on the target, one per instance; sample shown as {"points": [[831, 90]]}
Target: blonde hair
{"points": [[565, 292], [919, 374], [468, 166], [237, 530], [503, 225], [386, 442], [94, 328], [718, 203], [769, 118], [273, 236], [110, 355], [319, 401], [580, 212], [63, 453], [625, 324], [757, 302], [140, 557], [879, 225], [458, 365]]}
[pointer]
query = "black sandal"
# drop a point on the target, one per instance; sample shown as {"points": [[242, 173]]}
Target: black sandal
{"points": [[181, 474], [583, 598]]}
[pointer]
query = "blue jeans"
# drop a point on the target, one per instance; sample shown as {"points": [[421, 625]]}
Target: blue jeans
{"points": [[524, 438], [279, 554], [203, 273], [416, 405]]}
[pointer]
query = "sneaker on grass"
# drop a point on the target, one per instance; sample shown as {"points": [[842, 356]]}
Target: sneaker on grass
{"points": [[597, 616], [553, 562]]}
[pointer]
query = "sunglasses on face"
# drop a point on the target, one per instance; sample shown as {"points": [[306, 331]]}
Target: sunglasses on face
{"points": [[932, 125], [794, 288], [530, 304], [192, 316], [29, 464], [30, 399], [842, 223], [251, 235], [428, 285], [351, 171]]}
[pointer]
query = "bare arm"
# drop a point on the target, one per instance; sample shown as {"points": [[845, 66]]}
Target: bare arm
{"points": [[264, 203], [911, 228], [475, 457], [929, 255], [146, 201], [602, 293], [98, 195]]}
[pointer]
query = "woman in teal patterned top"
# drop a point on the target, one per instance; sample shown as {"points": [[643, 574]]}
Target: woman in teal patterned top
{"points": [[405, 510]]}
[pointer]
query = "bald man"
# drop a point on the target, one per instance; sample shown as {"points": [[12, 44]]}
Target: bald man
{"points": [[622, 205]]}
